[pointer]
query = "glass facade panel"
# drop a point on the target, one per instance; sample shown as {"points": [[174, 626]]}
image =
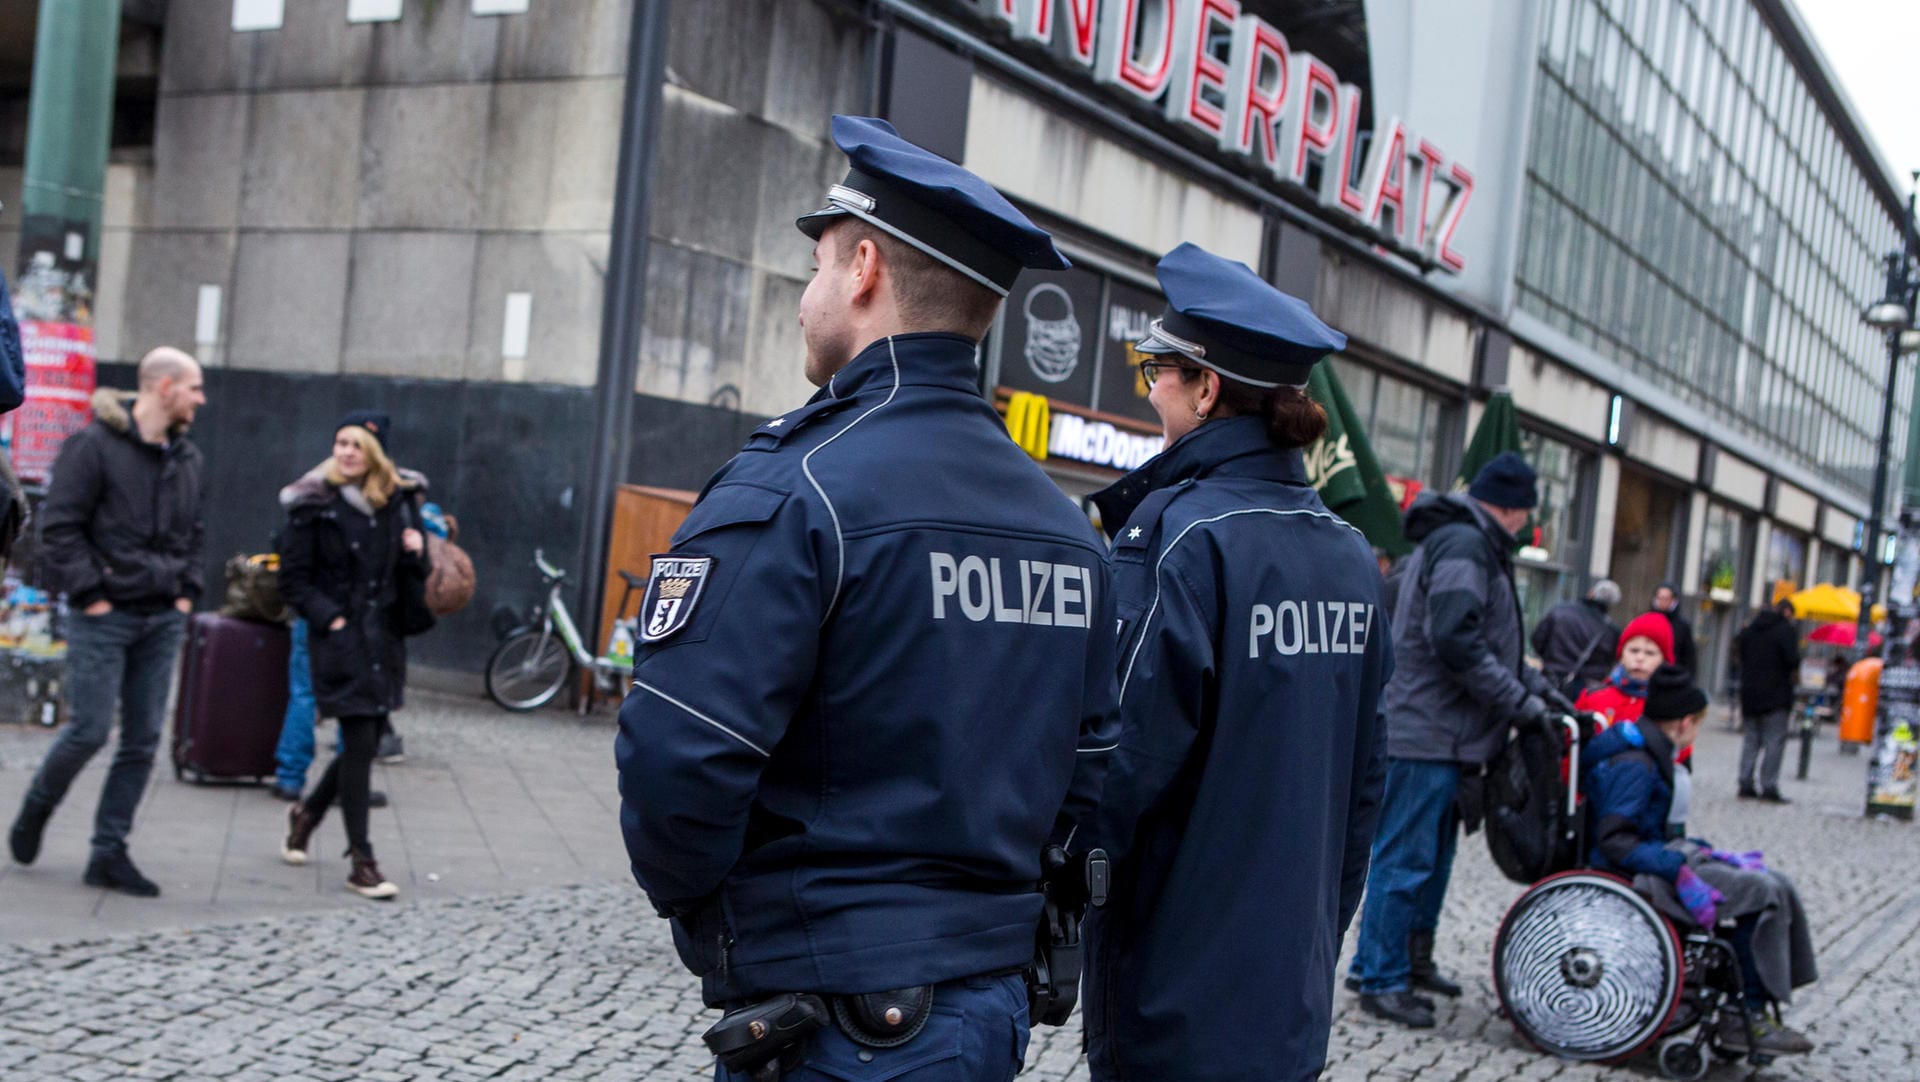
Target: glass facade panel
{"points": [[1692, 214]]}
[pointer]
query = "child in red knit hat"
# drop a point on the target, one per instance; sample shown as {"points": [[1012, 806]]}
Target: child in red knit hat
{"points": [[1646, 643]]}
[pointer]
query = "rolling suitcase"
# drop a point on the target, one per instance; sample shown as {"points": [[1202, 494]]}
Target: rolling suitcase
{"points": [[233, 694]]}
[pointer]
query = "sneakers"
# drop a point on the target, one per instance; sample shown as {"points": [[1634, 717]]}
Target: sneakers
{"points": [[24, 838], [393, 750], [1765, 1036], [1748, 792], [376, 799], [117, 872], [1401, 1007], [300, 824], [366, 880]]}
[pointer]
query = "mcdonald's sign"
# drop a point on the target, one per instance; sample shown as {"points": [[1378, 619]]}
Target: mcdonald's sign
{"points": [[1029, 422]]}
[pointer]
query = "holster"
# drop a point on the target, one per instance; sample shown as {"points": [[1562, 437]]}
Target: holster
{"points": [[1068, 886], [763, 1041]]}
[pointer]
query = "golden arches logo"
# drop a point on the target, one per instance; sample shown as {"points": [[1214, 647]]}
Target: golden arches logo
{"points": [[1029, 422]]}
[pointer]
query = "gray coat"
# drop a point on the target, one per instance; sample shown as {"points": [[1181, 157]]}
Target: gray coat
{"points": [[1459, 676]]}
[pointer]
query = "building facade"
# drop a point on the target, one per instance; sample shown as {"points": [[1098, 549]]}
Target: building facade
{"points": [[1655, 222]]}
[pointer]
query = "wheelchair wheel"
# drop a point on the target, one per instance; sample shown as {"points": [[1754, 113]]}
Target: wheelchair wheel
{"points": [[1684, 1058], [1585, 968]]}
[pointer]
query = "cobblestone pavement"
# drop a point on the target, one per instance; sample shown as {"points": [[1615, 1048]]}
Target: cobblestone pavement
{"points": [[579, 981]]}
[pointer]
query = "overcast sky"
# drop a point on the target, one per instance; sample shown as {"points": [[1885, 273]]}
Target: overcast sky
{"points": [[1874, 46]]}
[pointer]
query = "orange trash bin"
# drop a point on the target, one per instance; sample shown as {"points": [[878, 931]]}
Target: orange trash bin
{"points": [[1860, 701]]}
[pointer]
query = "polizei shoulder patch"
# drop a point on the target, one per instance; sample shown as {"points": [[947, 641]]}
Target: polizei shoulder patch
{"points": [[672, 592]]}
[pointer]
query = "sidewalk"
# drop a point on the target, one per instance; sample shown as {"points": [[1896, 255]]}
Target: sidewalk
{"points": [[486, 802]]}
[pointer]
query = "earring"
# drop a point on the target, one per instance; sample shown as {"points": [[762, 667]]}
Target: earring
{"points": [[1199, 414]]}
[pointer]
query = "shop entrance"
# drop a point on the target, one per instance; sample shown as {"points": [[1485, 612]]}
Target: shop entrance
{"points": [[1649, 536]]}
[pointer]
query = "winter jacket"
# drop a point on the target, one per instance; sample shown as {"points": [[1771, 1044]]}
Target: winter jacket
{"points": [[1769, 663], [1576, 642], [1627, 775], [340, 557], [1253, 654], [1459, 678], [123, 518], [1685, 653], [876, 665], [1609, 699]]}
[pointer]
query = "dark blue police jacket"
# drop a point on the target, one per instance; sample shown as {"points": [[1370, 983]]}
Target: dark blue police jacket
{"points": [[838, 772], [1240, 804]]}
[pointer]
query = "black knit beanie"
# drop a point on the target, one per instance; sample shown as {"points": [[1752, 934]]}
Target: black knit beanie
{"points": [[1671, 695]]}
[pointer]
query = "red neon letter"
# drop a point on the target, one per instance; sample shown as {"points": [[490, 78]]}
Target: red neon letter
{"points": [[1450, 221], [1318, 84], [1250, 98], [1386, 176], [1122, 23], [1199, 66], [1430, 161]]}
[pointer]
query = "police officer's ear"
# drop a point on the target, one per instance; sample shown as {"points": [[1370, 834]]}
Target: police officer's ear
{"points": [[865, 267], [1207, 391]]}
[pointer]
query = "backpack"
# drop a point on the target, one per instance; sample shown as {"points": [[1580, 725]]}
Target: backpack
{"points": [[1529, 832]]}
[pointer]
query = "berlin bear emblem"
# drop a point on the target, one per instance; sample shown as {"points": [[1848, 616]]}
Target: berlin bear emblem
{"points": [[672, 590]]}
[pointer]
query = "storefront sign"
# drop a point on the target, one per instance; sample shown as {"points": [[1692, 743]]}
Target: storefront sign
{"points": [[1233, 78], [1047, 430], [60, 382]]}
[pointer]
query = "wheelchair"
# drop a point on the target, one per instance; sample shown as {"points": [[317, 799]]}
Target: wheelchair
{"points": [[1587, 969]]}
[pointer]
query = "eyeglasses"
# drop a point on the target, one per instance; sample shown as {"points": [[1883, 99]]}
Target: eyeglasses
{"points": [[1150, 369]]}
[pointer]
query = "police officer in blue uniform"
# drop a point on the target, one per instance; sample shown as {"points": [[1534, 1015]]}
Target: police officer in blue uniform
{"points": [[875, 662], [1253, 648]]}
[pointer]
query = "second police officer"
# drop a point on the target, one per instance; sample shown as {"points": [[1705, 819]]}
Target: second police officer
{"points": [[870, 665], [1240, 803]]}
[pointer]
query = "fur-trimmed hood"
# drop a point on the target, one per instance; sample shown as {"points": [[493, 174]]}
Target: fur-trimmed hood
{"points": [[114, 408], [312, 489]]}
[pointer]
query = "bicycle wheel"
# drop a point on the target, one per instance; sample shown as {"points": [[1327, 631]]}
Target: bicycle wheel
{"points": [[528, 670]]}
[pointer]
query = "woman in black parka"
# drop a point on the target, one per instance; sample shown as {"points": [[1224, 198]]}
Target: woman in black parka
{"points": [[350, 548]]}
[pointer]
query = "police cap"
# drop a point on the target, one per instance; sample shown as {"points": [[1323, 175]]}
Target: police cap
{"points": [[932, 204], [1221, 315]]}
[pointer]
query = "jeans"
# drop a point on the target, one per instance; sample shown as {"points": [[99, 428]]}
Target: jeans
{"points": [[349, 777], [117, 657], [295, 750], [1412, 859], [978, 1033], [1764, 733]]}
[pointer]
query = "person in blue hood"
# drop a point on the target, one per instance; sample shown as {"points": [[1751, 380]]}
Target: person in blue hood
{"points": [[877, 663], [1241, 799]]}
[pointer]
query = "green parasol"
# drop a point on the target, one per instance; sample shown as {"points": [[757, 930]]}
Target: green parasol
{"points": [[1499, 430], [1343, 469]]}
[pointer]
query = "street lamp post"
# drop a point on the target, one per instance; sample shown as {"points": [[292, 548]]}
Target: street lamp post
{"points": [[1892, 314]]}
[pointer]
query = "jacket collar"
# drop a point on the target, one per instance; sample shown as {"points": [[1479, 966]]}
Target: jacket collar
{"points": [[1497, 535], [924, 359], [1230, 447], [114, 409]]}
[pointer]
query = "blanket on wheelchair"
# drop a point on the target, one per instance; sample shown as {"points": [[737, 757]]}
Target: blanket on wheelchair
{"points": [[1782, 946]]}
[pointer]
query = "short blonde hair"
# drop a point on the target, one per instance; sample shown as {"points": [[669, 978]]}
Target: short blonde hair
{"points": [[382, 477]]}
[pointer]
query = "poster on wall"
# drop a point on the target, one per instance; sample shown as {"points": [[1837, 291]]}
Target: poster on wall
{"points": [[1051, 335], [1130, 313], [60, 383]]}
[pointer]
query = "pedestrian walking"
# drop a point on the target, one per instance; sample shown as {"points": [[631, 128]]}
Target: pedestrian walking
{"points": [[1459, 681], [1769, 669], [1666, 601], [1575, 641], [293, 755], [1252, 656], [872, 661], [121, 529], [353, 564], [1629, 773]]}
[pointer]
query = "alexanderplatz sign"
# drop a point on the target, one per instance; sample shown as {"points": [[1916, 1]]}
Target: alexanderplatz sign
{"points": [[1231, 76]]}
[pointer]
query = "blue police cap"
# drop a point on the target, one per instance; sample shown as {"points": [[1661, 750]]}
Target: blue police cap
{"points": [[1222, 315], [932, 204]]}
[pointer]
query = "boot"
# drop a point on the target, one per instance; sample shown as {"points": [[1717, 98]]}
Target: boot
{"points": [[24, 838], [366, 880], [300, 824], [1422, 973], [1398, 1007], [116, 872], [1353, 985]]}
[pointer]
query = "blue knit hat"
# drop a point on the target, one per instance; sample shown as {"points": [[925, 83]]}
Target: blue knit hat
{"points": [[1507, 481]]}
